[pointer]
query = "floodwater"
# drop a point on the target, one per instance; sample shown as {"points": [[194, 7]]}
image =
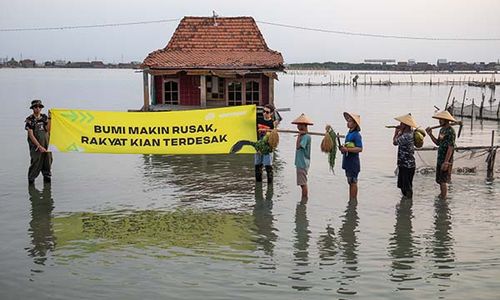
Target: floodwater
{"points": [[198, 227]]}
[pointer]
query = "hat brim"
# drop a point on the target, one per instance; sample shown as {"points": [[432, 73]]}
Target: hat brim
{"points": [[445, 119], [407, 121], [348, 115], [32, 106]]}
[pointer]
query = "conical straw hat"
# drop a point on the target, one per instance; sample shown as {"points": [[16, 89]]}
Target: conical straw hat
{"points": [[444, 115], [408, 120], [356, 118], [303, 119]]}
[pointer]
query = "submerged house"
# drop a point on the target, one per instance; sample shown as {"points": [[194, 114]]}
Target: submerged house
{"points": [[211, 62]]}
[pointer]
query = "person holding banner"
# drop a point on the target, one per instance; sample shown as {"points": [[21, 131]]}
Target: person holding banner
{"points": [[38, 127], [264, 158], [302, 154]]}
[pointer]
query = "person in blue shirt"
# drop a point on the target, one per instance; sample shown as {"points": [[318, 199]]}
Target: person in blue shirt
{"points": [[302, 154], [352, 147]]}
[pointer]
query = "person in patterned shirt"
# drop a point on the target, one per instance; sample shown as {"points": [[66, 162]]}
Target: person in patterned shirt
{"points": [[446, 146], [404, 139], [38, 127]]}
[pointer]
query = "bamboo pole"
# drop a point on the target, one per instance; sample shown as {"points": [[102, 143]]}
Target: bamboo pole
{"points": [[472, 115], [448, 99], [311, 132], [456, 148], [462, 109], [491, 158], [481, 107]]}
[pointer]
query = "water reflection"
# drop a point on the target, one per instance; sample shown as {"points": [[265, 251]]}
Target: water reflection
{"points": [[207, 180], [328, 247], [263, 218], [183, 232], [41, 230], [301, 245], [442, 243], [349, 247], [402, 244]]}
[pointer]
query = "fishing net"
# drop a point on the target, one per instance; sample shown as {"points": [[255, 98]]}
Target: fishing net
{"points": [[467, 161]]}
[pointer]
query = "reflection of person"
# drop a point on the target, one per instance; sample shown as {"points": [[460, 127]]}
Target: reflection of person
{"points": [[265, 159], [42, 235], [350, 150], [402, 244], [264, 218], [347, 233], [302, 153], [442, 246], [38, 127], [446, 143], [301, 245], [404, 139], [327, 245], [349, 246]]}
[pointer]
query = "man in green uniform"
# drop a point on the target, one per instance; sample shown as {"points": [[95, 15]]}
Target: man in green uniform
{"points": [[38, 127]]}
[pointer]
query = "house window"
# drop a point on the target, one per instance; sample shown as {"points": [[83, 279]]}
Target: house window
{"points": [[171, 92], [234, 93], [252, 92]]}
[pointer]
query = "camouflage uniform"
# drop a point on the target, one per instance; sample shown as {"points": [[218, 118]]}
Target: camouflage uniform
{"points": [[39, 161]]}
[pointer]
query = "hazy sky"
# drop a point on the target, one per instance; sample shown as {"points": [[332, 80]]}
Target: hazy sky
{"points": [[436, 18]]}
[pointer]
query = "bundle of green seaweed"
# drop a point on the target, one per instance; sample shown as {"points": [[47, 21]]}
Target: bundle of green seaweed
{"points": [[329, 145]]}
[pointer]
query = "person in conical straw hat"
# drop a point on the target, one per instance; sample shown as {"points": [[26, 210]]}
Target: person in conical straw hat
{"points": [[302, 154], [353, 145], [446, 147], [404, 139]]}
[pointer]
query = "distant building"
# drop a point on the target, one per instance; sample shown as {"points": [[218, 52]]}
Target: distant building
{"points": [[380, 61], [412, 62], [442, 61], [27, 63], [60, 63], [212, 62], [97, 64]]}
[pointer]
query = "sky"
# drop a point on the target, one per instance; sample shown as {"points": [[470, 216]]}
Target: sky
{"points": [[418, 18]]}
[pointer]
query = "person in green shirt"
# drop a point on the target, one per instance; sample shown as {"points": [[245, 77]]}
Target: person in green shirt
{"points": [[446, 146], [302, 154]]}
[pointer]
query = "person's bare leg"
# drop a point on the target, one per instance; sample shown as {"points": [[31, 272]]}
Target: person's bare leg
{"points": [[304, 194], [353, 191], [444, 190]]}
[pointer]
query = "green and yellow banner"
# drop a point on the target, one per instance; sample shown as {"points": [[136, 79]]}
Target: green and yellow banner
{"points": [[204, 131]]}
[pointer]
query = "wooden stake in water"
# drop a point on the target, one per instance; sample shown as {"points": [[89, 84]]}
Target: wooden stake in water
{"points": [[491, 158]]}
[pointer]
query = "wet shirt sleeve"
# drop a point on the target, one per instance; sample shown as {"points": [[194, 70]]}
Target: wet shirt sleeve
{"points": [[29, 123], [357, 140]]}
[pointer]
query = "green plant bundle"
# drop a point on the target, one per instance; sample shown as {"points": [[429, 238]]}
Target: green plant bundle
{"points": [[262, 146], [333, 153]]}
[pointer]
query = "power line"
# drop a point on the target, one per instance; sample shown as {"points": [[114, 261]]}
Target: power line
{"points": [[87, 26], [386, 36], [349, 33]]}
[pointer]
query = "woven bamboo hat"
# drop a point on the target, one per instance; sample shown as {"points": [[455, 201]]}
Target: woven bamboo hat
{"points": [[356, 118], [303, 119], [444, 115], [408, 120]]}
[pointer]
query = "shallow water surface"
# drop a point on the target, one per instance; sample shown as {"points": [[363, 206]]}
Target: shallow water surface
{"points": [[198, 227]]}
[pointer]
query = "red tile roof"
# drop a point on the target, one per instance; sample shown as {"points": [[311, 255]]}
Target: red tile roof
{"points": [[220, 43]]}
